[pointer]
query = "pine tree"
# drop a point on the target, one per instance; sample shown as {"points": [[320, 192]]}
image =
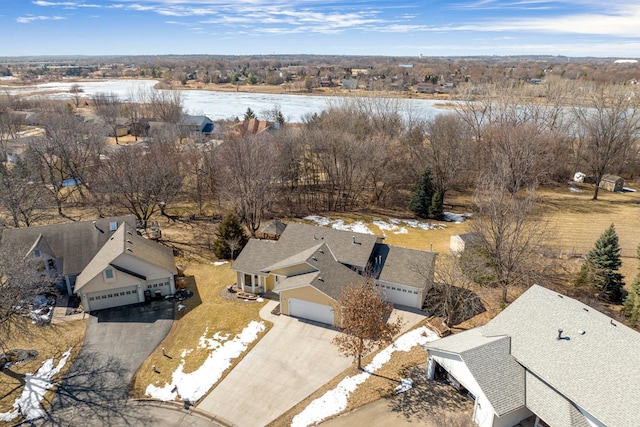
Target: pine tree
{"points": [[421, 198], [249, 114], [599, 270], [231, 238], [436, 208], [631, 307]]}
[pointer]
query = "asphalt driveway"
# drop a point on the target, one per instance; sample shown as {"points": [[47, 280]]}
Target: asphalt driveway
{"points": [[290, 362], [117, 341]]}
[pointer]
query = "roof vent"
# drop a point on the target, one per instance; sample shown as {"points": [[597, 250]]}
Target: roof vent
{"points": [[560, 296], [354, 240], [130, 250], [560, 334], [321, 251], [314, 258], [585, 309], [581, 332], [321, 279], [129, 242], [613, 324]]}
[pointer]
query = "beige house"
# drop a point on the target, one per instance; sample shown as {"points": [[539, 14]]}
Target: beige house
{"points": [[309, 266], [105, 262]]}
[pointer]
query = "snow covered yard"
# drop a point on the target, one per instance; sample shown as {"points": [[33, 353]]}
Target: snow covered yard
{"points": [[335, 400], [193, 385], [36, 386], [392, 225]]}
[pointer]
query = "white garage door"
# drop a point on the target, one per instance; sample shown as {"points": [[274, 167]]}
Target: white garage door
{"points": [[310, 310], [401, 296], [113, 298]]}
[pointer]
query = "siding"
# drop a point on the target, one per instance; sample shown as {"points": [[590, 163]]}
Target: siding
{"points": [[307, 293]]}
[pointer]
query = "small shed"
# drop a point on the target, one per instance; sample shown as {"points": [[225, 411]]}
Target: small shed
{"points": [[273, 229], [611, 183], [459, 242]]}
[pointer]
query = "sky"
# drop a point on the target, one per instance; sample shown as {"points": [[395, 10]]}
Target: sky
{"points": [[325, 27]]}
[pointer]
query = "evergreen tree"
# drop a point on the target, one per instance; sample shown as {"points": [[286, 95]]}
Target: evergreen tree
{"points": [[436, 208], [631, 307], [421, 198], [249, 114], [599, 270], [231, 238]]}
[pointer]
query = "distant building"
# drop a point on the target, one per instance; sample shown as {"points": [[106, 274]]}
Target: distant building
{"points": [[612, 183]]}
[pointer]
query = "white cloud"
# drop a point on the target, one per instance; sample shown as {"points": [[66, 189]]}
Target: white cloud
{"points": [[31, 18]]}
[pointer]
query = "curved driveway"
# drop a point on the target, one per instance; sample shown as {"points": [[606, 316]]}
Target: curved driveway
{"points": [[290, 362]]}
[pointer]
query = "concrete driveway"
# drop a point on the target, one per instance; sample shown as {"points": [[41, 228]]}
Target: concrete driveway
{"points": [[290, 362], [117, 341]]}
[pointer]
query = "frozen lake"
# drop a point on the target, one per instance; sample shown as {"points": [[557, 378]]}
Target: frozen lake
{"points": [[219, 105]]}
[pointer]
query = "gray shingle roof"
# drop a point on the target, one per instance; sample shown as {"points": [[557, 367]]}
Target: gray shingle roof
{"points": [[330, 278], [258, 255], [275, 228], [125, 240], [597, 369], [551, 406], [404, 266], [499, 376], [302, 236], [76, 243]]}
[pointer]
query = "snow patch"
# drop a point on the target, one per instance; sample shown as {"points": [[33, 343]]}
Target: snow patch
{"points": [[335, 401], [36, 385], [453, 217], [339, 224], [194, 385], [219, 263]]}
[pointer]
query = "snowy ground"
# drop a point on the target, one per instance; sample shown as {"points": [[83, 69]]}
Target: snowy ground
{"points": [[393, 225], [194, 385], [36, 385], [335, 401]]}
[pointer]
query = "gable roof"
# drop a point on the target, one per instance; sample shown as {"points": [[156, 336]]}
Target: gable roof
{"points": [[349, 248], [125, 240], [411, 267], [76, 243], [610, 178], [330, 278], [275, 227], [499, 376], [597, 370]]}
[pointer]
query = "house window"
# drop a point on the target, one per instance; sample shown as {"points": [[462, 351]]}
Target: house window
{"points": [[36, 253], [109, 274], [128, 292], [91, 298], [51, 264], [134, 291], [110, 295], [113, 226], [104, 297]]}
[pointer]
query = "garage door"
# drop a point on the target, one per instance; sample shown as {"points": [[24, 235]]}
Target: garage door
{"points": [[401, 296], [310, 310], [113, 298]]}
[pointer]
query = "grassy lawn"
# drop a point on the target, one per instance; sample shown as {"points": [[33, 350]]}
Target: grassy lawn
{"points": [[49, 341], [206, 314]]}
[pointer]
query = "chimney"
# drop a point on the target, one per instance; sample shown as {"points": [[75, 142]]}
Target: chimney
{"points": [[559, 334]]}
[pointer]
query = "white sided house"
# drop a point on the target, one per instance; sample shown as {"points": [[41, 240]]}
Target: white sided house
{"points": [[309, 266], [105, 262], [546, 357]]}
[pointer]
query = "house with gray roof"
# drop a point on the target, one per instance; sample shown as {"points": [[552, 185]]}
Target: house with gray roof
{"points": [[105, 262], [546, 357], [309, 266]]}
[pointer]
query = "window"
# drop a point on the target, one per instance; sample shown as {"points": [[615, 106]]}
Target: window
{"points": [[404, 290], [134, 291], [109, 274], [113, 226], [36, 253], [110, 295], [104, 297], [91, 298], [128, 292], [121, 293], [51, 264]]}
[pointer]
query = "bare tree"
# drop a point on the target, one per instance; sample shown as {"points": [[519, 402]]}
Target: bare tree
{"points": [[363, 321], [607, 129], [20, 282], [510, 235], [76, 90], [109, 107], [449, 151], [451, 295], [65, 155], [166, 105], [142, 180], [250, 167], [20, 196]]}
